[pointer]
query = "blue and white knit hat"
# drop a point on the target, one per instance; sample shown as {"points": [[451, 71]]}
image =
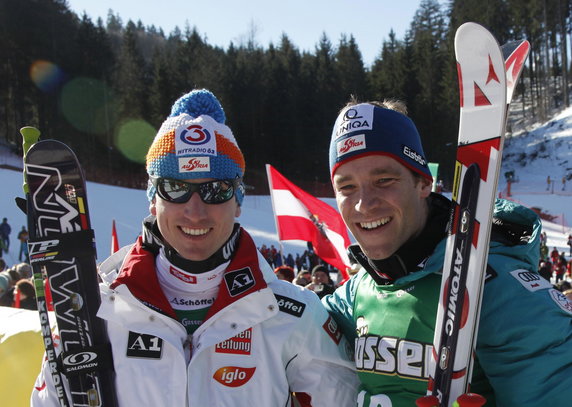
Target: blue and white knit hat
{"points": [[365, 129], [195, 143]]}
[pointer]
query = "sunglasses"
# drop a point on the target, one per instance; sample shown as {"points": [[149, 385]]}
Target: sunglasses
{"points": [[211, 192]]}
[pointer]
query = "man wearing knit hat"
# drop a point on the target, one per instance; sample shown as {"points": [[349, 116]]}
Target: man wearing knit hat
{"points": [[195, 315], [321, 282], [388, 309]]}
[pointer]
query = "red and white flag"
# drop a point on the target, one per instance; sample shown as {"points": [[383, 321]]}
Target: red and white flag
{"points": [[301, 216], [114, 240]]}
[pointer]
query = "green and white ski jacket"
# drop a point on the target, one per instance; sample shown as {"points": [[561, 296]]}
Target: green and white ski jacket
{"points": [[524, 345]]}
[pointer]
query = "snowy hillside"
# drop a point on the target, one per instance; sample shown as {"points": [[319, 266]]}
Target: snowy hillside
{"points": [[535, 155], [531, 156]]}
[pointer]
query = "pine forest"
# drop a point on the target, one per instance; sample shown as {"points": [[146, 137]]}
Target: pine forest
{"points": [[104, 87]]}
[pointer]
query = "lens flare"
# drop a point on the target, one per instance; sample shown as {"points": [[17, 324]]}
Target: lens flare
{"points": [[89, 105], [46, 75], [133, 139]]}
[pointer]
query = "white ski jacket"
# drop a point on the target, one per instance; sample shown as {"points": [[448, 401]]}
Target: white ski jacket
{"points": [[262, 339]]}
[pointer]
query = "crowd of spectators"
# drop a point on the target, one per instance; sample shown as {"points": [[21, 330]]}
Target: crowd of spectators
{"points": [[555, 267], [16, 286]]}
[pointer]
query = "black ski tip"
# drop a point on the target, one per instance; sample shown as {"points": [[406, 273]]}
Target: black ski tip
{"points": [[22, 204]]}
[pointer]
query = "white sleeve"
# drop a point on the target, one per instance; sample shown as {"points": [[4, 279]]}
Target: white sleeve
{"points": [[323, 367]]}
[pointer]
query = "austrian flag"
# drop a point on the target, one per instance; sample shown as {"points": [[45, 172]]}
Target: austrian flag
{"points": [[301, 216]]}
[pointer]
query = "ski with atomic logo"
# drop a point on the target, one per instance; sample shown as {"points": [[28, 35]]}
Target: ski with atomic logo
{"points": [[62, 251], [487, 76]]}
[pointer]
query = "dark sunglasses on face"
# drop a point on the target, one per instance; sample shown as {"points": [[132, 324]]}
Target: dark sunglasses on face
{"points": [[211, 192]]}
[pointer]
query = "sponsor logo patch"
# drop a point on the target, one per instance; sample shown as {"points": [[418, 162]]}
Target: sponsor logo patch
{"points": [[239, 281], [195, 139], [189, 322], [290, 306], [561, 300], [355, 118], [81, 361], [197, 303], [187, 278], [240, 344], [234, 376], [393, 356], [353, 143], [44, 250], [333, 330], [144, 346], [194, 164], [529, 280], [414, 155]]}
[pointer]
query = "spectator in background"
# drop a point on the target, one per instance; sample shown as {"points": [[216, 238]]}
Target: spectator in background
{"points": [[543, 246], [24, 270], [560, 267], [321, 283], [298, 262], [277, 258], [545, 269], [264, 251], [23, 238], [284, 273], [5, 231], [8, 279], [554, 256], [289, 261], [25, 295], [273, 253], [569, 243], [439, 187], [5, 286], [543, 252], [303, 278]]}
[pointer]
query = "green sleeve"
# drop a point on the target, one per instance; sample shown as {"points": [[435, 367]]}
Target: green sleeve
{"points": [[340, 305]]}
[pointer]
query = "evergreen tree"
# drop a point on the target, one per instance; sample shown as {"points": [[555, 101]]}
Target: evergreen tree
{"points": [[279, 102], [131, 79], [163, 87], [327, 100], [429, 60], [280, 97], [388, 74], [350, 69]]}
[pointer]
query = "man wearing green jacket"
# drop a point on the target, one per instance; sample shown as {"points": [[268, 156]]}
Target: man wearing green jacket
{"points": [[383, 191]]}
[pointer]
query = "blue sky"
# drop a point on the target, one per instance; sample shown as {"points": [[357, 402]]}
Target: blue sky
{"points": [[304, 21]]}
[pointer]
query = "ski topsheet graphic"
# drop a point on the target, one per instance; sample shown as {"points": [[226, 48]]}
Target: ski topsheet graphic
{"points": [[484, 98], [62, 249], [514, 54]]}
